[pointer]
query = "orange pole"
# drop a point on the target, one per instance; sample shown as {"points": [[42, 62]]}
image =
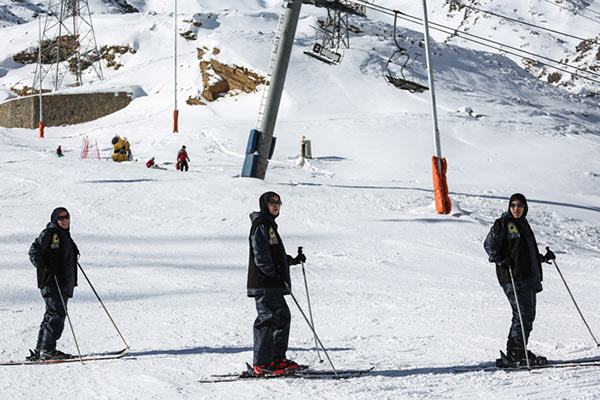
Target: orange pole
{"points": [[175, 121], [42, 126], [440, 186]]}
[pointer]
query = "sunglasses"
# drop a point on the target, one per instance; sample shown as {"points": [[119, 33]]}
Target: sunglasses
{"points": [[63, 217], [275, 203], [517, 205]]}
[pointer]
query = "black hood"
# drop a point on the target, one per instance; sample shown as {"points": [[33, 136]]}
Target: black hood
{"points": [[522, 199], [263, 203], [54, 216]]}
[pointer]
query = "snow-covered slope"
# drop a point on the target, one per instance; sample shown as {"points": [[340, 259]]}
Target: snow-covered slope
{"points": [[393, 284]]}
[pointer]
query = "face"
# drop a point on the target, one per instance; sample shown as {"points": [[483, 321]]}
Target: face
{"points": [[64, 220], [274, 206], [517, 208]]}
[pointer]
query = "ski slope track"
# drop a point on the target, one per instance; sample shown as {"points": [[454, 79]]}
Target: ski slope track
{"points": [[393, 285]]}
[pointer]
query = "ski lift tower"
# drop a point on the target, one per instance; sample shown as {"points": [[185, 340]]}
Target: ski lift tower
{"points": [[334, 31], [261, 142], [67, 44]]}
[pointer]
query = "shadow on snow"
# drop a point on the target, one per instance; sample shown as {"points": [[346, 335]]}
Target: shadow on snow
{"points": [[217, 350]]}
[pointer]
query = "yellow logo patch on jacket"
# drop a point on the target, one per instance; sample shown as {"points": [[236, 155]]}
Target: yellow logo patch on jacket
{"points": [[512, 231], [55, 241], [272, 236]]}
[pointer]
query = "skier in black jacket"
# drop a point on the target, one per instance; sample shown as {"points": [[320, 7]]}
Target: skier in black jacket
{"points": [[268, 274], [511, 244], [54, 254]]}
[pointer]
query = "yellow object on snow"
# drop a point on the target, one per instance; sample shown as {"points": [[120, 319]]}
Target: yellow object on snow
{"points": [[121, 152]]}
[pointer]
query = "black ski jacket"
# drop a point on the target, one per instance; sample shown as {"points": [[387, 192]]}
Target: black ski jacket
{"points": [[512, 241], [54, 253], [268, 263]]}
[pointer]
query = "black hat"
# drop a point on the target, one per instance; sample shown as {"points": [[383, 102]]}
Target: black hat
{"points": [[54, 216], [522, 199], [263, 202]]}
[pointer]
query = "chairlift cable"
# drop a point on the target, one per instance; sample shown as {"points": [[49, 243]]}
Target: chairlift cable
{"points": [[587, 6], [521, 56], [448, 30], [459, 32], [584, 4], [565, 8], [529, 24]]}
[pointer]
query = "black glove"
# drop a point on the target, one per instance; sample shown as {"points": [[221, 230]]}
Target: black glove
{"points": [[300, 258], [549, 255], [506, 263]]}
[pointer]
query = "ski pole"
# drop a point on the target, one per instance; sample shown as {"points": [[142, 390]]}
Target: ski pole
{"points": [[62, 300], [574, 302], [102, 304], [520, 317], [311, 328], [309, 307]]}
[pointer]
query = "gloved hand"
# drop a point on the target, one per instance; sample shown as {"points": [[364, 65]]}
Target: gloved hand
{"points": [[549, 255], [506, 263], [300, 258]]}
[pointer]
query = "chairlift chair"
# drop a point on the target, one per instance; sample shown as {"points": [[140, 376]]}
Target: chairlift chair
{"points": [[322, 54], [399, 80]]}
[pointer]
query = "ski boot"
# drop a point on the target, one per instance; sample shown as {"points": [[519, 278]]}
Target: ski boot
{"points": [[54, 355], [265, 370], [536, 360], [34, 355], [285, 364]]}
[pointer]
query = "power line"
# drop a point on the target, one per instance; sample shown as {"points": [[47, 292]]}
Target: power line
{"points": [[450, 31], [453, 31], [530, 24], [586, 5], [565, 8]]}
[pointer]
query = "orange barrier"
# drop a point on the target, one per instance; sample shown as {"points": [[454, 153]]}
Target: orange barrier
{"points": [[440, 187], [176, 121], [42, 126]]}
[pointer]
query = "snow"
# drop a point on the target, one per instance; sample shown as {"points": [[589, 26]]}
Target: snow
{"points": [[393, 285]]}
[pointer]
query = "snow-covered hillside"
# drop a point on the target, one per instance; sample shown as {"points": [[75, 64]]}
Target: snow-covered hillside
{"points": [[393, 285]]}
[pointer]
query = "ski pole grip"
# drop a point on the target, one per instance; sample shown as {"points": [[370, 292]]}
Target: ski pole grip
{"points": [[299, 249]]}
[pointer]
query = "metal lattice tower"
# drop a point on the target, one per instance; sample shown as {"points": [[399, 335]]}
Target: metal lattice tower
{"points": [[335, 30], [67, 44]]}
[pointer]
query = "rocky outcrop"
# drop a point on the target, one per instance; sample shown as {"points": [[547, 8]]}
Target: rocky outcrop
{"points": [[220, 79], [65, 50]]}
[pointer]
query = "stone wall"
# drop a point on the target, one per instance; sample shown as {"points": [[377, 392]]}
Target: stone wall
{"points": [[61, 109]]}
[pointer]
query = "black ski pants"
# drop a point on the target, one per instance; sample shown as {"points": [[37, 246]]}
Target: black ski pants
{"points": [[53, 322], [271, 328], [526, 295], [183, 165]]}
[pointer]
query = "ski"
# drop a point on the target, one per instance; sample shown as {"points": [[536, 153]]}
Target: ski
{"points": [[293, 374], [111, 355], [595, 362]]}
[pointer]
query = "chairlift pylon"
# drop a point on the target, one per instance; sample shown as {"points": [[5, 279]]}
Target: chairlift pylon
{"points": [[401, 82], [335, 37]]}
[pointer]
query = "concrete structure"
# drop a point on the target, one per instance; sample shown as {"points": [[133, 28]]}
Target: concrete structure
{"points": [[60, 109]]}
